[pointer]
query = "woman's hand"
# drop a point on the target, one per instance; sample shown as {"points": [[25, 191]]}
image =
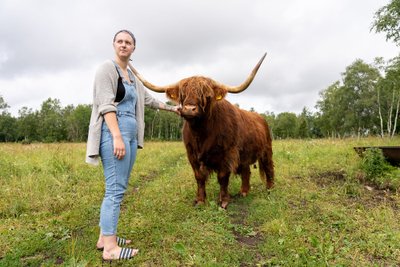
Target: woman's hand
{"points": [[177, 110], [119, 147], [112, 124]]}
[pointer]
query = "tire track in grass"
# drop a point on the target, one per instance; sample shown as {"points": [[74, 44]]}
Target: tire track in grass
{"points": [[244, 233], [154, 163]]}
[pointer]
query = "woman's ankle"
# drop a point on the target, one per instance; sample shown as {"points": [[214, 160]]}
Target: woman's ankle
{"points": [[109, 242]]}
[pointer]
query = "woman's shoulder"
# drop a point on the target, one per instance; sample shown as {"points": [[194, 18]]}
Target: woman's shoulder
{"points": [[106, 67], [106, 70]]}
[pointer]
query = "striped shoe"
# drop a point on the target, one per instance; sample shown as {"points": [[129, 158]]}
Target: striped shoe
{"points": [[120, 241], [125, 254]]}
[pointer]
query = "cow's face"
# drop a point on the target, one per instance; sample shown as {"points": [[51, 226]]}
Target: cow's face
{"points": [[196, 96]]}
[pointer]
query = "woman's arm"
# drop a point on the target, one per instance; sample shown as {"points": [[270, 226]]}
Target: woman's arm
{"points": [[112, 124], [169, 108], [157, 104], [105, 88]]}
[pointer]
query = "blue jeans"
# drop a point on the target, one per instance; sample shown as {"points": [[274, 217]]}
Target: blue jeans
{"points": [[116, 171]]}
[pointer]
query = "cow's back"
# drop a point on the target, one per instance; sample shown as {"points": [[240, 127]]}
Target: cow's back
{"points": [[255, 137]]}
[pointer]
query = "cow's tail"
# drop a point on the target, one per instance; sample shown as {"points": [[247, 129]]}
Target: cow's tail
{"points": [[266, 169], [266, 164]]}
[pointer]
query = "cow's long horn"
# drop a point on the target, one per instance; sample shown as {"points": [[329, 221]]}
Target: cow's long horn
{"points": [[155, 88], [245, 84]]}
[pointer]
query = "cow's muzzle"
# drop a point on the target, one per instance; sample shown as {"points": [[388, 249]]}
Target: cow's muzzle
{"points": [[189, 111]]}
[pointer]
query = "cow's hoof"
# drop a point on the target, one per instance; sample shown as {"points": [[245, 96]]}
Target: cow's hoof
{"points": [[270, 185], [243, 194], [198, 202], [224, 204]]}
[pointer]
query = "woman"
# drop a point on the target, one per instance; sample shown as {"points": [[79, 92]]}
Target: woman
{"points": [[116, 131]]}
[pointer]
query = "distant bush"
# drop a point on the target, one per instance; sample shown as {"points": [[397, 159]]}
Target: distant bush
{"points": [[378, 171]]}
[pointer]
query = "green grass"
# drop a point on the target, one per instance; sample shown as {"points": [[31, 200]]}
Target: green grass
{"points": [[320, 212]]}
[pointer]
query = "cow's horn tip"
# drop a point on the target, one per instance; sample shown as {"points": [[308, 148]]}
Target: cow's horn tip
{"points": [[265, 54]]}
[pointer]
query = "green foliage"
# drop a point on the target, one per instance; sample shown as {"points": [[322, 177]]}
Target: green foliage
{"points": [[331, 122], [374, 163], [161, 125], [3, 105], [7, 128], [387, 20], [7, 123], [348, 108], [285, 125], [378, 171], [51, 121], [388, 90], [28, 125], [77, 121], [306, 125]]}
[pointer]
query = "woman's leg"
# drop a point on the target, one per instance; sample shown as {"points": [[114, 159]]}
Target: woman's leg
{"points": [[117, 174], [131, 152]]}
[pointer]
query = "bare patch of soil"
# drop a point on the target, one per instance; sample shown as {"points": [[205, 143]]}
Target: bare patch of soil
{"points": [[328, 177], [378, 197], [372, 196], [251, 241]]}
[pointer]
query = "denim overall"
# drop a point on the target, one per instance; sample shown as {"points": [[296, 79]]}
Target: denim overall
{"points": [[117, 171]]}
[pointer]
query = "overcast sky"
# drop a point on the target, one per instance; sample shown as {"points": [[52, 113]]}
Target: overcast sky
{"points": [[52, 48]]}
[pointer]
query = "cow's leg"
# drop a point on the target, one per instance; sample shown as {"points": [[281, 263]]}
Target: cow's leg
{"points": [[201, 191], [223, 180], [245, 174], [201, 175]]}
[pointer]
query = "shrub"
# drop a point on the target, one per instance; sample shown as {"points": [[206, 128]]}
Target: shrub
{"points": [[378, 171]]}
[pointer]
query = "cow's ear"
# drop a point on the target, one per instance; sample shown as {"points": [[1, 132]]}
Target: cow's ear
{"points": [[219, 93], [173, 94]]}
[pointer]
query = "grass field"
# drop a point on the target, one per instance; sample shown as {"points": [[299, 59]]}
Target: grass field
{"points": [[320, 212]]}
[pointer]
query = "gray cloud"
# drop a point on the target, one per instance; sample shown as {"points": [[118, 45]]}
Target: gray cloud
{"points": [[51, 48]]}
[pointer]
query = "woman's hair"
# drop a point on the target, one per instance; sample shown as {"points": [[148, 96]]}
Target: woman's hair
{"points": [[128, 32]]}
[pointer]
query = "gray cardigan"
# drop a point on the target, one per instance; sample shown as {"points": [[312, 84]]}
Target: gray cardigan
{"points": [[104, 92]]}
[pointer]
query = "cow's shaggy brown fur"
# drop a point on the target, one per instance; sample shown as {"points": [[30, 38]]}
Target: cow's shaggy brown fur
{"points": [[219, 137]]}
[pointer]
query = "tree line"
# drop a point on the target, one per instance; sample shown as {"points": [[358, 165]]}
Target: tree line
{"points": [[54, 123], [366, 101]]}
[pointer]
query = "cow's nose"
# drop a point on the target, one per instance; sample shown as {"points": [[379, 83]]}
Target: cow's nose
{"points": [[190, 108]]}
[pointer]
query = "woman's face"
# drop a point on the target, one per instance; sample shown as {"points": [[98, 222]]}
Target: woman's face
{"points": [[123, 45]]}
